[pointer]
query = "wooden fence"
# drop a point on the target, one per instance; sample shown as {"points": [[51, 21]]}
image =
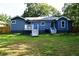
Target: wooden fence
{"points": [[5, 29]]}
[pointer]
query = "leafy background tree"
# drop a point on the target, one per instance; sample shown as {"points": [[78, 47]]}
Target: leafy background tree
{"points": [[71, 10], [39, 9], [5, 18]]}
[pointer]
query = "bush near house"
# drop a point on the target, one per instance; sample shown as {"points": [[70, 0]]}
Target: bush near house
{"points": [[75, 29]]}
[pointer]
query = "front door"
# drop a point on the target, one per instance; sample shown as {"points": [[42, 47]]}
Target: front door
{"points": [[53, 28], [35, 29]]}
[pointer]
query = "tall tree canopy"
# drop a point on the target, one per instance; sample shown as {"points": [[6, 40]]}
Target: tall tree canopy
{"points": [[5, 18], [71, 10], [39, 9]]}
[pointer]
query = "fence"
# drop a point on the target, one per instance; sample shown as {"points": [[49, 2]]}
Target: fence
{"points": [[5, 28]]}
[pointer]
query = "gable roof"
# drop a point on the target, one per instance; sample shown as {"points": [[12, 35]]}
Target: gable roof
{"points": [[17, 17], [64, 17]]}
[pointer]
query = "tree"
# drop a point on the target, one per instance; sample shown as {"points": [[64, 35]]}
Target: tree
{"points": [[71, 10], [5, 18], [39, 9]]}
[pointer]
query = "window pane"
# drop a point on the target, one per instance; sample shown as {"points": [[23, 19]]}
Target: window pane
{"points": [[63, 24], [42, 23], [13, 21]]}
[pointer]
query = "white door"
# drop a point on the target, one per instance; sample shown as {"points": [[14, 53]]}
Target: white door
{"points": [[35, 30]]}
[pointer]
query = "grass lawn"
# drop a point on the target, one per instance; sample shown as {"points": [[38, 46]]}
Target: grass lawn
{"points": [[44, 44]]}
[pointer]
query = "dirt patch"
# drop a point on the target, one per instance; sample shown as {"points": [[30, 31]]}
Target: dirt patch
{"points": [[18, 49], [19, 46]]}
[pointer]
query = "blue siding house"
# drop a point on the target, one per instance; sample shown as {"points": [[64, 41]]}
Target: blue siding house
{"points": [[17, 24], [38, 25], [62, 24]]}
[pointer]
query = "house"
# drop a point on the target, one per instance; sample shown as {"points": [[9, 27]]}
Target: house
{"points": [[38, 25]]}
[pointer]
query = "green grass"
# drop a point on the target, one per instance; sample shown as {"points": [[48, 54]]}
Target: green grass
{"points": [[44, 44]]}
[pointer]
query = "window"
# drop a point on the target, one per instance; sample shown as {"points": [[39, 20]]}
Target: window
{"points": [[62, 24], [42, 23], [13, 22]]}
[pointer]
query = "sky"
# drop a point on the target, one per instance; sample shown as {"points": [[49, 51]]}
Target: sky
{"points": [[17, 7]]}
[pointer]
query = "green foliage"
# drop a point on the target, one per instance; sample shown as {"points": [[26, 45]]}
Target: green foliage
{"points": [[72, 11], [39, 9], [5, 18]]}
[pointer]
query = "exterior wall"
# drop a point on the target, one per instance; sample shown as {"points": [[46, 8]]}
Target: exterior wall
{"points": [[47, 25], [19, 26], [42, 28], [58, 25]]}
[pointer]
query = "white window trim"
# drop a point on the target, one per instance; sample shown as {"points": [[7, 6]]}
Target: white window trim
{"points": [[14, 21], [42, 24], [64, 24]]}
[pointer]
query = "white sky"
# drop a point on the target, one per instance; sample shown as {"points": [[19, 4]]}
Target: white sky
{"points": [[17, 7]]}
